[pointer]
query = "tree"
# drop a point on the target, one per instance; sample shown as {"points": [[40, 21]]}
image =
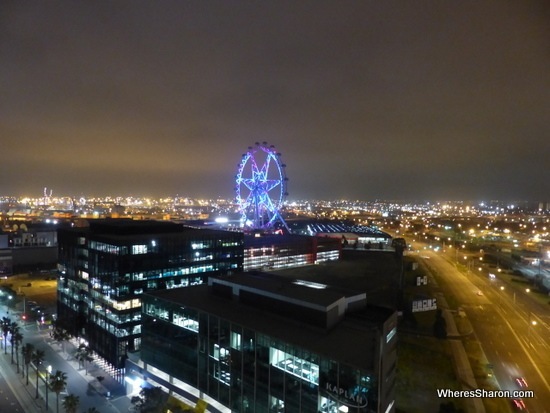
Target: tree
{"points": [[58, 382], [61, 335], [37, 359], [83, 355], [17, 338], [14, 329], [6, 322], [71, 403], [137, 402], [154, 399], [27, 351], [150, 400]]}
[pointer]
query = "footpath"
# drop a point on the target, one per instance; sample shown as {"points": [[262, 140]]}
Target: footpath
{"points": [[94, 385], [463, 368], [461, 362]]}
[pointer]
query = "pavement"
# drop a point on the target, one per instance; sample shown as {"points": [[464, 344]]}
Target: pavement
{"points": [[107, 395], [463, 369]]}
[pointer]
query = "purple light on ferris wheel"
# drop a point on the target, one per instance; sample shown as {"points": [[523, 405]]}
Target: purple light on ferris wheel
{"points": [[261, 187]]}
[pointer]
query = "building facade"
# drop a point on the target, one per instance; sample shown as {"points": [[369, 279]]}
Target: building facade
{"points": [[261, 343], [271, 252], [106, 267]]}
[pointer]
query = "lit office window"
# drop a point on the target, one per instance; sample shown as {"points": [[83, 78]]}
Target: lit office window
{"points": [[296, 366], [139, 249], [235, 340]]}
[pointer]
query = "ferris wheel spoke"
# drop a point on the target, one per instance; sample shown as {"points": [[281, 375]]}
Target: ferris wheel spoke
{"points": [[250, 184], [269, 185], [261, 187]]}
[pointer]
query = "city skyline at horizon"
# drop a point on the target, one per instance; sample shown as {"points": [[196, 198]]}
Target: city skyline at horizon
{"points": [[53, 199]]}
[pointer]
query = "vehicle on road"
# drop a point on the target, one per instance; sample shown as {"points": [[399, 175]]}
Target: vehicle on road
{"points": [[521, 382], [518, 404]]}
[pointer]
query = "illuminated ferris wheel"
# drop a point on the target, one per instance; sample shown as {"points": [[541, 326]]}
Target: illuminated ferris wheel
{"points": [[261, 187]]}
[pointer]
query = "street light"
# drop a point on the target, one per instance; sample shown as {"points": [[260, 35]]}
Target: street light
{"points": [[532, 323], [8, 303], [48, 373]]}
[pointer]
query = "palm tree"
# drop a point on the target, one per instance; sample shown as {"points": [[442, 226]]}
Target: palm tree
{"points": [[6, 322], [27, 352], [14, 328], [58, 382], [61, 335], [17, 338], [37, 359], [71, 403], [82, 354]]}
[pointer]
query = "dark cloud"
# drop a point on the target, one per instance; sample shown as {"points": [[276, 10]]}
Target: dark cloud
{"points": [[400, 100]]}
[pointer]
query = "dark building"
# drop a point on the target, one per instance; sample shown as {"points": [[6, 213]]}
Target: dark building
{"points": [[262, 343], [107, 266]]}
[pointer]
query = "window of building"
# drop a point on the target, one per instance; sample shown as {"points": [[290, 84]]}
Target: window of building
{"points": [[301, 368], [186, 318], [199, 245], [139, 249], [276, 405], [220, 353], [103, 247], [235, 340]]}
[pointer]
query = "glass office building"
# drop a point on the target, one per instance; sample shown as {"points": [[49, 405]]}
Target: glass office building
{"points": [[106, 267], [271, 252], [260, 343]]}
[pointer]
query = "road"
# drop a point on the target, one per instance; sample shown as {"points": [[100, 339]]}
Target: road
{"points": [[8, 399], [513, 329], [18, 394]]}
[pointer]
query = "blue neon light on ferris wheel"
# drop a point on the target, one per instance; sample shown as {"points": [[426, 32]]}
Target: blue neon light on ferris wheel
{"points": [[261, 187]]}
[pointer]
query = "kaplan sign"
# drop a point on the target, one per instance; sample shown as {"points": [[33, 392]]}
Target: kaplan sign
{"points": [[343, 397], [424, 305]]}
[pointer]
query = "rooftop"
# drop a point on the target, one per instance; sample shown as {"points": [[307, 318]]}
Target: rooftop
{"points": [[351, 340]]}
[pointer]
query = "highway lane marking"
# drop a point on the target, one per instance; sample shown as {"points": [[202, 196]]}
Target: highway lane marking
{"points": [[528, 355]]}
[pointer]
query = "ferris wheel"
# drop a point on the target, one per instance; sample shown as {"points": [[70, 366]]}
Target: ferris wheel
{"points": [[261, 187]]}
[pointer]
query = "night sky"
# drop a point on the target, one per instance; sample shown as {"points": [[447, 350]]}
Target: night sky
{"points": [[401, 100]]}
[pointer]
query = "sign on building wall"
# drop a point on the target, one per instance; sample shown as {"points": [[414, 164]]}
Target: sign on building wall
{"points": [[427, 304], [355, 399]]}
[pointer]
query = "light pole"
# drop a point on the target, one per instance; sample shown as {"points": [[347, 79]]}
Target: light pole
{"points": [[8, 304], [48, 373]]}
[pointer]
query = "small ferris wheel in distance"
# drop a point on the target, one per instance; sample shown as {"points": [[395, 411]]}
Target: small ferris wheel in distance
{"points": [[261, 186]]}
